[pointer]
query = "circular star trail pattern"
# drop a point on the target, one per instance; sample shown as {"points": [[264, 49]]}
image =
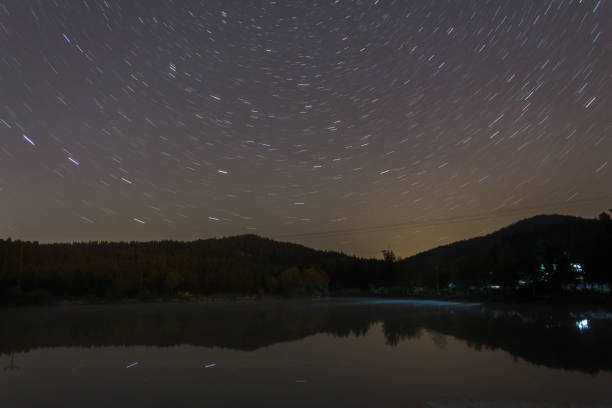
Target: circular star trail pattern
{"points": [[344, 125]]}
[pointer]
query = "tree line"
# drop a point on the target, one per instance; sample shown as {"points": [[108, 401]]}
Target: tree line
{"points": [[542, 254], [245, 264], [538, 255]]}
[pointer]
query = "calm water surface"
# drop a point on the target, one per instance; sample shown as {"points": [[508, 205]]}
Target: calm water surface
{"points": [[338, 352]]}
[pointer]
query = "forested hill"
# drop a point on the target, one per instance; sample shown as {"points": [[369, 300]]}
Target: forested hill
{"points": [[543, 250], [547, 253], [246, 264]]}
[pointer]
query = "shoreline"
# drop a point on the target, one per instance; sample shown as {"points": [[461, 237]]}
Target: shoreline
{"points": [[544, 301]]}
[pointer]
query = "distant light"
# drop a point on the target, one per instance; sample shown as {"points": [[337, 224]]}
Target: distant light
{"points": [[576, 267], [582, 324]]}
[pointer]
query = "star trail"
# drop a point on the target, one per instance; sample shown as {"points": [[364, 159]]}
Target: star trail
{"points": [[343, 125]]}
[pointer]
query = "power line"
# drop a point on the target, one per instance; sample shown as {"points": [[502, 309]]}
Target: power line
{"points": [[555, 206]]}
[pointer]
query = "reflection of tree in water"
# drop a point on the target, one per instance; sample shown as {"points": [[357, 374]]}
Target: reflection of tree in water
{"points": [[400, 330], [439, 340], [546, 339], [541, 338], [12, 366]]}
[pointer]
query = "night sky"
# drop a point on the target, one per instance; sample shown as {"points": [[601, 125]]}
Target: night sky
{"points": [[345, 125]]}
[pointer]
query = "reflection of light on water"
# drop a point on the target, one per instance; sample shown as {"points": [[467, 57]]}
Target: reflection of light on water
{"points": [[582, 324], [416, 302]]}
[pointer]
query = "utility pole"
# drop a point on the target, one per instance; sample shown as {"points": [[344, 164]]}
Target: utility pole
{"points": [[20, 259]]}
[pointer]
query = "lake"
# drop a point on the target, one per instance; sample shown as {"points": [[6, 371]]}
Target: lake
{"points": [[347, 352]]}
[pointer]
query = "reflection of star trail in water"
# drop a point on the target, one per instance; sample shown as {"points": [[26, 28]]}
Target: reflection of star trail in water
{"points": [[162, 119]]}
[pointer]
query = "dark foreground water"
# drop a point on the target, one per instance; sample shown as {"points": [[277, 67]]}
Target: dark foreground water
{"points": [[339, 353]]}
